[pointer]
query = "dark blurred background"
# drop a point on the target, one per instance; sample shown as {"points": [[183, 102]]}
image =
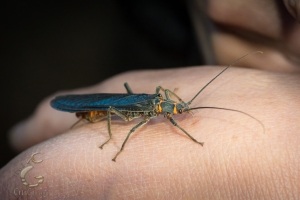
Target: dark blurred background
{"points": [[50, 46]]}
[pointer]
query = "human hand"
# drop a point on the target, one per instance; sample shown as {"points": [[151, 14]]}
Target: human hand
{"points": [[249, 25], [238, 160]]}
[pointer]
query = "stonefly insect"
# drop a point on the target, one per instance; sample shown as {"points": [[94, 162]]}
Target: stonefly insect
{"points": [[95, 107]]}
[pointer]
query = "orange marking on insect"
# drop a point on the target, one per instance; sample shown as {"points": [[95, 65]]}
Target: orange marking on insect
{"points": [[159, 106], [91, 114], [175, 109]]}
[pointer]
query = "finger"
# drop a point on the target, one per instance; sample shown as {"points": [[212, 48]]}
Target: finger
{"points": [[251, 25], [45, 123], [293, 6]]}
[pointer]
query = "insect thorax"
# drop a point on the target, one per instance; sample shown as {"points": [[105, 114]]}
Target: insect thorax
{"points": [[167, 106]]}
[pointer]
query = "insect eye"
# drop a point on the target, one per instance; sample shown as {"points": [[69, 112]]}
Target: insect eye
{"points": [[159, 95], [180, 111]]}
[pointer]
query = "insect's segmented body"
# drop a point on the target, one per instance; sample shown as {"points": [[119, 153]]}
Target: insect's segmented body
{"points": [[95, 107]]}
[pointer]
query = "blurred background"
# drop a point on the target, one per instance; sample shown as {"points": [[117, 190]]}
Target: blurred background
{"points": [[48, 47]]}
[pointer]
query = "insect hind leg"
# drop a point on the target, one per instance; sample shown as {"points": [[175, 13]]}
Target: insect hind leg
{"points": [[77, 122]]}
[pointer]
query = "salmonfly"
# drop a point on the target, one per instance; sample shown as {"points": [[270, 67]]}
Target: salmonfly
{"points": [[95, 107]]}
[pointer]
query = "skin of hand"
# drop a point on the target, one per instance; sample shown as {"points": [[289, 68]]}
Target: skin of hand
{"points": [[238, 160], [250, 25]]}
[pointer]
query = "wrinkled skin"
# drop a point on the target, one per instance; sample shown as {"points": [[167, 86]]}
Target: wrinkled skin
{"points": [[238, 160]]}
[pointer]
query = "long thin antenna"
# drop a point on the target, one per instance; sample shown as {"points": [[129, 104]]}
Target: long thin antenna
{"points": [[188, 103], [207, 107]]}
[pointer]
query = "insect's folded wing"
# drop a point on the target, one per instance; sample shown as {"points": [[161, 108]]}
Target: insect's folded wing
{"points": [[89, 102]]}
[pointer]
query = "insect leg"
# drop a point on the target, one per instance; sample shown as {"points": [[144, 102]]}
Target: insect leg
{"points": [[128, 89], [175, 124], [77, 122], [131, 131], [168, 93], [120, 114], [108, 125]]}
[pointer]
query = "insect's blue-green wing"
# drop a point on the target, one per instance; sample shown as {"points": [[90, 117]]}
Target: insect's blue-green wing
{"points": [[93, 102]]}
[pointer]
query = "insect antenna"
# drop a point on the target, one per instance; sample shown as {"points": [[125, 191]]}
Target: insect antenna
{"points": [[188, 103], [229, 109]]}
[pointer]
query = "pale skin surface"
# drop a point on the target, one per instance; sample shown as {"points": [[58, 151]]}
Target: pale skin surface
{"points": [[266, 25], [238, 160]]}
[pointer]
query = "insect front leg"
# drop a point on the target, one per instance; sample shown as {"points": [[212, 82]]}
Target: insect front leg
{"points": [[131, 131], [175, 124], [120, 114], [168, 93]]}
